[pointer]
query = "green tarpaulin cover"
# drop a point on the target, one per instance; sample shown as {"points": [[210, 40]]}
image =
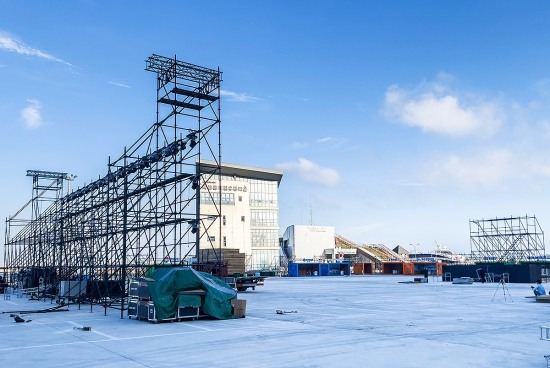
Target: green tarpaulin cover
{"points": [[169, 281], [189, 301]]}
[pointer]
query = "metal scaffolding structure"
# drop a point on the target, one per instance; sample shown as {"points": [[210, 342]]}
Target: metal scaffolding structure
{"points": [[144, 213], [509, 239]]}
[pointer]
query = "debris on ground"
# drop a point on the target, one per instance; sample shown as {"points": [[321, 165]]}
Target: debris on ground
{"points": [[47, 310], [19, 319], [278, 311], [83, 328]]}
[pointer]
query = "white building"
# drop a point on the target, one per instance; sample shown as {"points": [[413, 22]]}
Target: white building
{"points": [[249, 213], [303, 242]]}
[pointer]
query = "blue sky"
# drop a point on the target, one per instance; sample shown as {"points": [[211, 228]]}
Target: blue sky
{"points": [[394, 121]]}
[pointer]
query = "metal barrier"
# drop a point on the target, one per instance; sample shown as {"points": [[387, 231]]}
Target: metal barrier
{"points": [[545, 335], [7, 293]]}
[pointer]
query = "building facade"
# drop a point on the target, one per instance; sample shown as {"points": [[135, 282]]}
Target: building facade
{"points": [[309, 243], [249, 213]]}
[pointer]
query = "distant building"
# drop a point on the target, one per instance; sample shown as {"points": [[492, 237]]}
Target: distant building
{"points": [[401, 251], [303, 242], [250, 213], [436, 256]]}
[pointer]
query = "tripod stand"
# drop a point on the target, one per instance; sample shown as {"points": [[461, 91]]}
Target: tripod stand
{"points": [[504, 290]]}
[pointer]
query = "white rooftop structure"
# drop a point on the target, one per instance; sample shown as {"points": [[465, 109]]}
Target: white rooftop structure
{"points": [[308, 242]]}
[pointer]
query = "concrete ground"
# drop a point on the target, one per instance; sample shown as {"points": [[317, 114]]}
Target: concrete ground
{"points": [[356, 321]]}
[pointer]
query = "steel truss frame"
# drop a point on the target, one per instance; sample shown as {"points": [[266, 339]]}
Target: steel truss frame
{"points": [[509, 239], [145, 212]]}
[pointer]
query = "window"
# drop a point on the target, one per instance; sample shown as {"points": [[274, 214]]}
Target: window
{"points": [[242, 218], [212, 238], [263, 193], [264, 238], [240, 198], [214, 198], [224, 241], [264, 218], [264, 259], [223, 217]]}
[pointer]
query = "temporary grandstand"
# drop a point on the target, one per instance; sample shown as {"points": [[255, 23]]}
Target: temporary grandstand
{"points": [[374, 253]]}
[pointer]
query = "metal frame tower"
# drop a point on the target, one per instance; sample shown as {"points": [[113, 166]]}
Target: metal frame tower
{"points": [[508, 239], [145, 212], [27, 222]]}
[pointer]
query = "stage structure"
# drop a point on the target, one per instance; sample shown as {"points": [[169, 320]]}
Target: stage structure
{"points": [[144, 213], [509, 239]]}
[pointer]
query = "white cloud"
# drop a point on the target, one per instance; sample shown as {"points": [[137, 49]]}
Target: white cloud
{"points": [[31, 114], [311, 172], [299, 145], [11, 43], [238, 97], [119, 84], [435, 109], [485, 169], [539, 168], [489, 169]]}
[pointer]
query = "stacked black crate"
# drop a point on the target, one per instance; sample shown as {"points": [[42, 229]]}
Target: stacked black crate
{"points": [[140, 305]]}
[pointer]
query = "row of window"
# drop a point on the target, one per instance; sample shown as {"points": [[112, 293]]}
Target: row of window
{"points": [[263, 200], [263, 194], [260, 218], [265, 258], [260, 200], [264, 218], [214, 198], [264, 238], [260, 238]]}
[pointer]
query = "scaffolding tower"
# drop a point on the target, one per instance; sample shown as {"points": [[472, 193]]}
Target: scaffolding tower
{"points": [[144, 212], [509, 239], [47, 189]]}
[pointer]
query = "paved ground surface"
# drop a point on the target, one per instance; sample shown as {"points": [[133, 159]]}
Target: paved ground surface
{"points": [[357, 321]]}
